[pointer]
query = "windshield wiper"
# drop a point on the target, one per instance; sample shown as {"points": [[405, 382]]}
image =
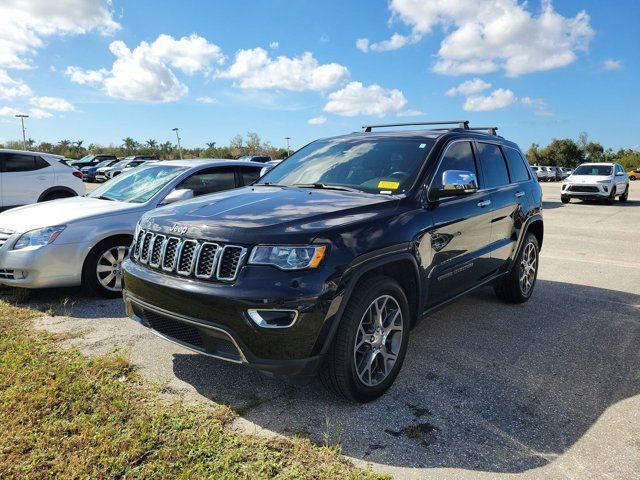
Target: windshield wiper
{"points": [[106, 198], [324, 186]]}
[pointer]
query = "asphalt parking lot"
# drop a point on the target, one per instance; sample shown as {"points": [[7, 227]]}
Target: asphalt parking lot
{"points": [[546, 389]]}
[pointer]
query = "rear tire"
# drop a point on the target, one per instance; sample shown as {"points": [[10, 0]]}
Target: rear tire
{"points": [[517, 285], [102, 270], [369, 347], [565, 199]]}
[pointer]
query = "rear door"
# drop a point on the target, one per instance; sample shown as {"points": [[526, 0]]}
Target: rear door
{"points": [[508, 197], [24, 178], [459, 257]]}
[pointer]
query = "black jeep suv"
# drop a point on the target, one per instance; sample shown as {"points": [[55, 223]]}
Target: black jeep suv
{"points": [[327, 262]]}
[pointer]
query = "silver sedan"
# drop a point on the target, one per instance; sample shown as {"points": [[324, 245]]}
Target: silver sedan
{"points": [[83, 240]]}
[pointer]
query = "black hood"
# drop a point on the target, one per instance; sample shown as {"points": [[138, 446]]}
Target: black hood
{"points": [[265, 214]]}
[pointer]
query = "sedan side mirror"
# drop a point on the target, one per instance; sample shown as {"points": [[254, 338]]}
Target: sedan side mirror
{"points": [[619, 174], [178, 195], [457, 182]]}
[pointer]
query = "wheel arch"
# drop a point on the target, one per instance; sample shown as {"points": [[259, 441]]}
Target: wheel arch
{"points": [[127, 236], [401, 266], [61, 188]]}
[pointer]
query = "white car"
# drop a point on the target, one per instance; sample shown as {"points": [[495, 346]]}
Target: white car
{"points": [[30, 177], [83, 240], [105, 173], [591, 181], [540, 172]]}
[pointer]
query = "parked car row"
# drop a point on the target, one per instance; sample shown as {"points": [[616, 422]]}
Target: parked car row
{"points": [[551, 174]]}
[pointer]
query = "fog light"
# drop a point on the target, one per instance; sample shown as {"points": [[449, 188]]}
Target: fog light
{"points": [[273, 318], [605, 188]]}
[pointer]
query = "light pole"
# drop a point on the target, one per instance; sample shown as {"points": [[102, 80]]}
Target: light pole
{"points": [[288, 149], [21, 116], [178, 137]]}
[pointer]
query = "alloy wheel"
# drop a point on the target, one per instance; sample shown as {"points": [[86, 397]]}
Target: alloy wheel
{"points": [[378, 340], [528, 266], [109, 268]]}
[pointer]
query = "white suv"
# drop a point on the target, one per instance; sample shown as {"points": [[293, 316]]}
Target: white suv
{"points": [[30, 177], [604, 181]]}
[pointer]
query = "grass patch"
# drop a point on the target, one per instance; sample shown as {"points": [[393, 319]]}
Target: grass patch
{"points": [[64, 415]]}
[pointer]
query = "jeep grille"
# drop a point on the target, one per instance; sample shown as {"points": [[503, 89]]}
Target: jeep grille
{"points": [[188, 257]]}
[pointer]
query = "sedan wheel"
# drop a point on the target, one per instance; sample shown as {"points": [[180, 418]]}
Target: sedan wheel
{"points": [[109, 268]]}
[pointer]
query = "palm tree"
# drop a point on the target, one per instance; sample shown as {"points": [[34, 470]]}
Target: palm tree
{"points": [[152, 143], [130, 145]]}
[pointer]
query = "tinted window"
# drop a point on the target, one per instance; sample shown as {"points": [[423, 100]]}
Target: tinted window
{"points": [[493, 166], [250, 175], [458, 156], [517, 166], [209, 181], [13, 162]]}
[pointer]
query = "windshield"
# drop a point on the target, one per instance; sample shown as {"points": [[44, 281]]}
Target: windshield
{"points": [[104, 163], [137, 186], [603, 170], [370, 165], [85, 159], [120, 164]]}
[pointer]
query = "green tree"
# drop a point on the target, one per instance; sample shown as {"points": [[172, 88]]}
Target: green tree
{"points": [[562, 153], [533, 154]]}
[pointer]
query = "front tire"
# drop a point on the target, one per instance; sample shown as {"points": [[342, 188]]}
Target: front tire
{"points": [[102, 270], [517, 286], [612, 196], [565, 199], [371, 342], [624, 197]]}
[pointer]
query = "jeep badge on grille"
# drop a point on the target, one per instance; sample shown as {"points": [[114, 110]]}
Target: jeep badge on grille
{"points": [[179, 229]]}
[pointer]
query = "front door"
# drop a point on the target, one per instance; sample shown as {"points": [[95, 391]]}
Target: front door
{"points": [[457, 245]]}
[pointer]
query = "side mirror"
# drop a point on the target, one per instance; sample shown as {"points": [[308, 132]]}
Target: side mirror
{"points": [[178, 195], [619, 174], [457, 182]]}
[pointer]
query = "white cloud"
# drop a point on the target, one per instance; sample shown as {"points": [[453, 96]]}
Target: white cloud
{"points": [[24, 24], [207, 100], [86, 77], [394, 43], [470, 87], [317, 120], [356, 99], [33, 112], [362, 44], [610, 64], [145, 73], [410, 113], [499, 98], [10, 88], [489, 35], [52, 103], [539, 106], [325, 38], [255, 69], [273, 45]]}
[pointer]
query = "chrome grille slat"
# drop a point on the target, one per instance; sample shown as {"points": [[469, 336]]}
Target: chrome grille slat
{"points": [[188, 257]]}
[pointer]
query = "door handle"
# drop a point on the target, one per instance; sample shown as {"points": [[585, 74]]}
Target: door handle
{"points": [[519, 194], [484, 203], [42, 177]]}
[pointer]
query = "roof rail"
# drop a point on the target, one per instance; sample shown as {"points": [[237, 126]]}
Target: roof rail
{"points": [[490, 130], [464, 124]]}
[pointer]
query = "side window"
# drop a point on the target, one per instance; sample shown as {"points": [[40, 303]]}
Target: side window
{"points": [[493, 166], [209, 181], [517, 166], [14, 162], [250, 175], [458, 156]]}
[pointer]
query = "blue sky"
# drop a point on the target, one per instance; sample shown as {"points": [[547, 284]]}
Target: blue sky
{"points": [[537, 70]]}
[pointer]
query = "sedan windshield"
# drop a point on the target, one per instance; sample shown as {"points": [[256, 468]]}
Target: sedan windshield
{"points": [[385, 166], [137, 186], [602, 170], [104, 163]]}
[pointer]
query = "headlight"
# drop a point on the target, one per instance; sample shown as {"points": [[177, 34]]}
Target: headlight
{"points": [[604, 181], [288, 257], [38, 238]]}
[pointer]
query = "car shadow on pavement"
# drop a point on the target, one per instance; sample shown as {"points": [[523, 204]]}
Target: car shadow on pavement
{"points": [[485, 386]]}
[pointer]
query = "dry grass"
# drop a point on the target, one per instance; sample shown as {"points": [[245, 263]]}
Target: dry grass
{"points": [[64, 415]]}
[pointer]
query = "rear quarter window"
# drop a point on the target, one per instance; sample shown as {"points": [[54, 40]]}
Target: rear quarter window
{"points": [[493, 164], [518, 168]]}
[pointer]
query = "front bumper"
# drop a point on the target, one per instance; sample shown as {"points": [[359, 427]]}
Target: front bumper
{"points": [[49, 266], [212, 318], [585, 190]]}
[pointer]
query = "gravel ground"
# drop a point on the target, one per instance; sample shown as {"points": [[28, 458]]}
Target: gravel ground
{"points": [[548, 389]]}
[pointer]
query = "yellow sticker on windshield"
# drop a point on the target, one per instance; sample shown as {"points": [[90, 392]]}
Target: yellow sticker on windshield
{"points": [[391, 185]]}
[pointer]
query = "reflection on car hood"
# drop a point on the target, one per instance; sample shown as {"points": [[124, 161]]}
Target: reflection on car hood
{"points": [[60, 212], [265, 214]]}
